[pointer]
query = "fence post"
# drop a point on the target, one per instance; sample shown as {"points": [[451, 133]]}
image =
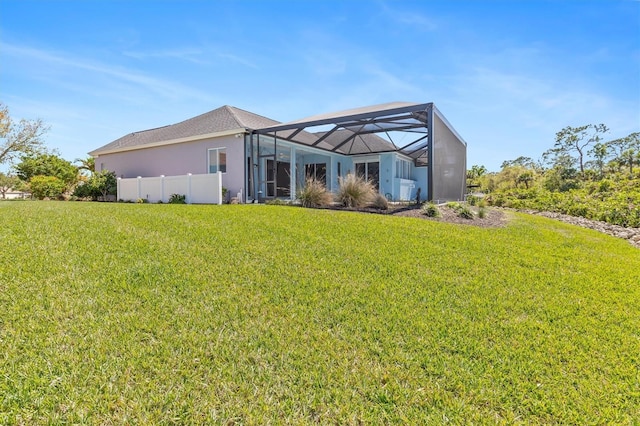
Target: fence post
{"points": [[162, 188], [139, 188], [219, 187], [188, 188]]}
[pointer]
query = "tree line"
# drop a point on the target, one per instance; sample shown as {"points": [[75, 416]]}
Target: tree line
{"points": [[583, 174], [41, 172]]}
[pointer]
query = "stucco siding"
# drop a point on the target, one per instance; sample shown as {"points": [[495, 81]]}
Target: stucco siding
{"points": [[386, 173], [179, 159], [420, 175]]}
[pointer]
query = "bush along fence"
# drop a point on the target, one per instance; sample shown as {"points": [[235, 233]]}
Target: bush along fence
{"points": [[198, 189]]}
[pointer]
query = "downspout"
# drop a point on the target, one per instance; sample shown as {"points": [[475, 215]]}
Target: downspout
{"points": [[259, 171], [254, 166], [246, 172]]}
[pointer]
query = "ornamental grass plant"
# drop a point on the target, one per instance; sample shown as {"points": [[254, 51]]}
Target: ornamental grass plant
{"points": [[380, 202], [354, 191], [314, 194]]}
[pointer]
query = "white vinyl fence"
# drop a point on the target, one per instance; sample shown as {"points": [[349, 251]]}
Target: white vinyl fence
{"points": [[199, 189]]}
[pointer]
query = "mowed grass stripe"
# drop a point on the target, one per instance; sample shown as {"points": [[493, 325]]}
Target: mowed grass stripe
{"points": [[148, 314]]}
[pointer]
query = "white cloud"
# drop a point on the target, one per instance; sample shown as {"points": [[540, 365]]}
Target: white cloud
{"points": [[191, 54], [81, 69], [507, 114], [187, 54], [238, 59], [411, 18]]}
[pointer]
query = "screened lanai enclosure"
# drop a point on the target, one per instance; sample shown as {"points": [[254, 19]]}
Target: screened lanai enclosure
{"points": [[404, 149]]}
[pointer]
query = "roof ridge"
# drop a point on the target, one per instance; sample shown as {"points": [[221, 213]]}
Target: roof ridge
{"points": [[151, 129], [188, 119], [223, 118], [232, 109]]}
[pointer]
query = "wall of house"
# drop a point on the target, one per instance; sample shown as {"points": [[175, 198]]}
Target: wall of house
{"points": [[301, 155], [304, 158], [346, 167], [420, 176], [389, 184], [14, 195], [179, 159], [387, 173]]}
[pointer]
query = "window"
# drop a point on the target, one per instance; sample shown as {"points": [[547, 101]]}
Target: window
{"points": [[317, 171], [218, 160], [403, 169], [369, 171]]}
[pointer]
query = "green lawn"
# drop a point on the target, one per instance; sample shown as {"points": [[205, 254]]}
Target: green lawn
{"points": [[178, 314]]}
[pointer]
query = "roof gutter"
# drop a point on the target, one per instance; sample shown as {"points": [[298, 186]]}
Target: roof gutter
{"points": [[239, 131]]}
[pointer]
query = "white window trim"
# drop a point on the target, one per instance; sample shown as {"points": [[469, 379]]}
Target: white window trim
{"points": [[217, 158], [367, 159], [401, 163]]}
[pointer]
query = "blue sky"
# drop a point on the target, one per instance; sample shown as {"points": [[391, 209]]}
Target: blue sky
{"points": [[507, 74]]}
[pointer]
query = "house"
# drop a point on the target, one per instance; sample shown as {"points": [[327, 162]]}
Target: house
{"points": [[402, 148], [14, 194]]}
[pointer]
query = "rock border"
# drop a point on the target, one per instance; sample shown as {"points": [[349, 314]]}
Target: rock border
{"points": [[630, 234]]}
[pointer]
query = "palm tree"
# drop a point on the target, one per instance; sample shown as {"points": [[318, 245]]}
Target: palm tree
{"points": [[88, 164]]}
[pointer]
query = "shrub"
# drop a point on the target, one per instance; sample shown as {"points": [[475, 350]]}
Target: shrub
{"points": [[380, 202], [82, 190], [497, 200], [354, 191], [464, 211], [47, 187], [45, 164], [453, 205], [482, 212], [142, 201], [314, 194], [604, 185], [430, 210], [277, 202], [103, 184], [178, 199], [100, 184]]}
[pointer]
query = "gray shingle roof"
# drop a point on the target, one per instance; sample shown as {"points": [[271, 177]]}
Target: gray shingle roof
{"points": [[219, 120], [356, 144], [229, 118]]}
